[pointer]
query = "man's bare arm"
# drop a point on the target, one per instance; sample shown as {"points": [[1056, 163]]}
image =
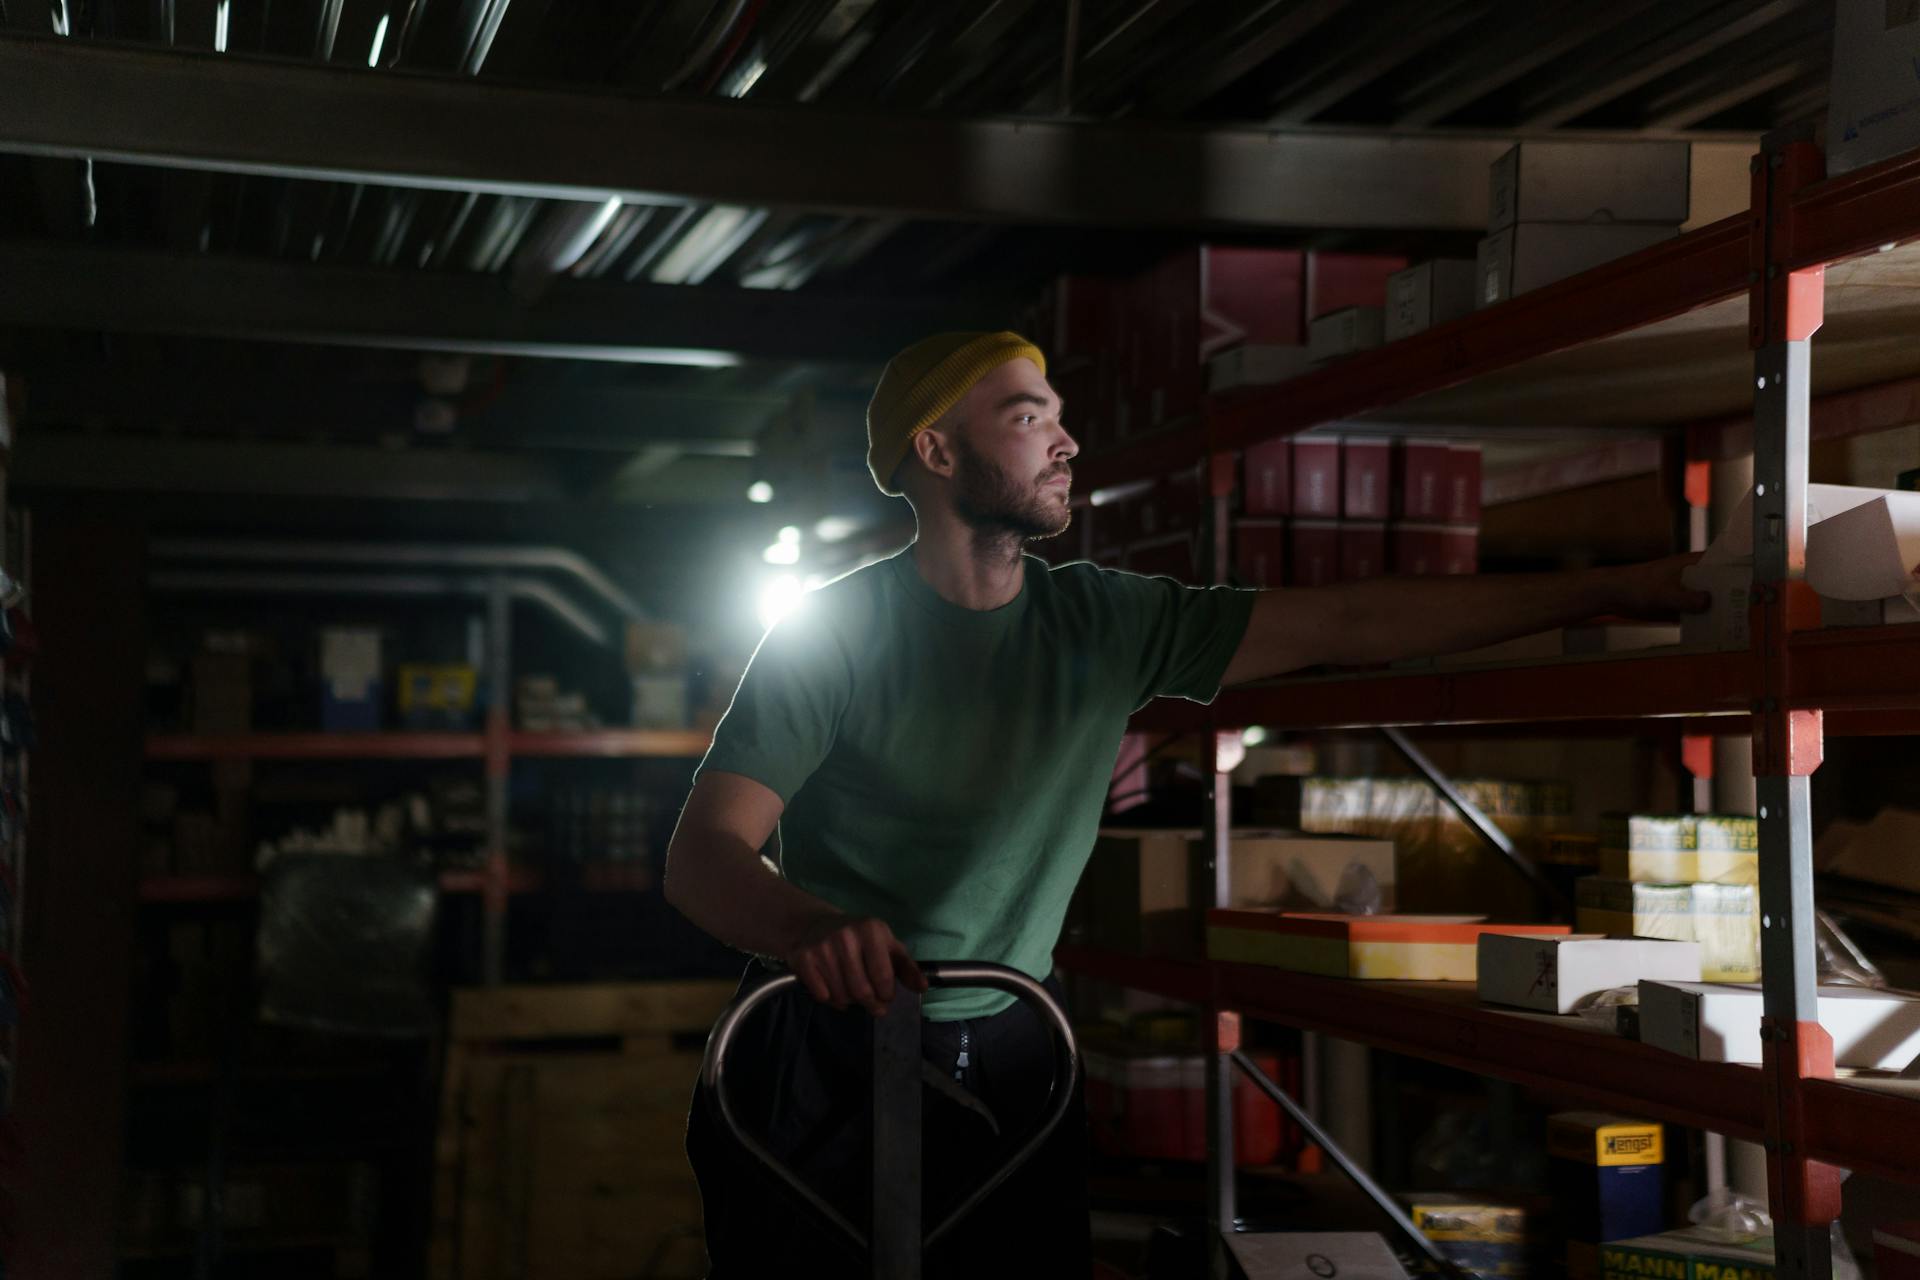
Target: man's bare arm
{"points": [[716, 878], [1388, 619]]}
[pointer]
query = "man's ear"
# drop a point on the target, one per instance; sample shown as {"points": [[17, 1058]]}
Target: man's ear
{"points": [[935, 451]]}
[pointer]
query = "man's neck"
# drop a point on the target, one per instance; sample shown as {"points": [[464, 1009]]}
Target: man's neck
{"points": [[969, 568]]}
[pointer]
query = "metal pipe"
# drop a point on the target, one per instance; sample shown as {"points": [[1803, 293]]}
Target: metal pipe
{"points": [[708, 46], [531, 590], [1318, 1136], [443, 555]]}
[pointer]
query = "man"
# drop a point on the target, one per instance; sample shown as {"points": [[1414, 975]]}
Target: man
{"points": [[933, 736]]}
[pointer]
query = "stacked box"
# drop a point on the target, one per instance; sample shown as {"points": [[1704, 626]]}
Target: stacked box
{"points": [[1723, 918], [1267, 478], [1316, 477], [1366, 466], [1344, 333], [1429, 294], [1363, 550], [1313, 553], [1680, 848], [1377, 948], [1872, 1030], [352, 694], [1260, 552], [1337, 281], [1691, 1253], [1608, 1183]]}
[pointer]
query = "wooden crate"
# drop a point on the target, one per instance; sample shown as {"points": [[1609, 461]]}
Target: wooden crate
{"points": [[561, 1149]]}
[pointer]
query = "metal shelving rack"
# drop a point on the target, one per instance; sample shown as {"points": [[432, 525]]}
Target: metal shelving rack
{"points": [[1795, 684]]}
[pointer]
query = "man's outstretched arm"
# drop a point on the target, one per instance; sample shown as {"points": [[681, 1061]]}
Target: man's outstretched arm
{"points": [[1388, 619]]}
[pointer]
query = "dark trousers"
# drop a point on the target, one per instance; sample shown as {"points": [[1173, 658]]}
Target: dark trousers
{"points": [[799, 1074]]}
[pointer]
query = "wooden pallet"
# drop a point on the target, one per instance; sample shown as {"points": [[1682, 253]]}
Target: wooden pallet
{"points": [[562, 1129]]}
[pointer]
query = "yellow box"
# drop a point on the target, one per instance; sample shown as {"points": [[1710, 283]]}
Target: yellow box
{"points": [[444, 687], [1723, 918], [1608, 1141]]}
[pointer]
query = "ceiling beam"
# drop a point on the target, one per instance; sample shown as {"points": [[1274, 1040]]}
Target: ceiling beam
{"points": [[64, 286], [252, 115]]}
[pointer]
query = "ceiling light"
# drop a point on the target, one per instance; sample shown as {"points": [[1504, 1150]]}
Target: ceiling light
{"points": [[777, 598], [759, 491], [379, 41], [782, 553], [220, 26], [791, 535], [706, 237]]}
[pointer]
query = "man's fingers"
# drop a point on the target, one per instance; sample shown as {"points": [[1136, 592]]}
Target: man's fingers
{"points": [[854, 968], [905, 966], [879, 964], [809, 974], [836, 984]]}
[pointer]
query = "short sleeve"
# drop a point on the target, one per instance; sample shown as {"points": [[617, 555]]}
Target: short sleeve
{"points": [[787, 710], [1183, 638]]}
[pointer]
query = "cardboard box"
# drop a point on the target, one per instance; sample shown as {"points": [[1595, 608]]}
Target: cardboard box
{"points": [[440, 696], [1076, 319], [1256, 365], [1385, 947], [1429, 294], [1423, 550], [1691, 1253], [1175, 378], [1267, 478], [1878, 851], [1875, 1030], [1726, 623], [1313, 553], [1344, 332], [352, 694], [1873, 105], [1723, 918], [1462, 495], [1313, 1255], [1252, 296], [1484, 1237], [1423, 480], [1260, 552], [1363, 551], [1591, 182], [1366, 470], [1680, 848], [1336, 281], [660, 701], [1605, 1176], [1316, 477], [1869, 552], [1532, 255], [1555, 975], [1143, 888]]}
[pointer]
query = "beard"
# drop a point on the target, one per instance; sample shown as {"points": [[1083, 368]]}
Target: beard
{"points": [[997, 505]]}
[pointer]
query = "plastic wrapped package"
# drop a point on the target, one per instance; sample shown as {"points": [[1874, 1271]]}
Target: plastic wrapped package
{"points": [[344, 944], [1734, 1217]]}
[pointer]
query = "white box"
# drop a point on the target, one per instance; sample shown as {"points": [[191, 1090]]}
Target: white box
{"points": [[1256, 365], [1869, 552], [1345, 332], [1303, 1255], [1531, 255], [1878, 1030], [1553, 975], [1824, 501], [1429, 294], [1873, 105], [1593, 182]]}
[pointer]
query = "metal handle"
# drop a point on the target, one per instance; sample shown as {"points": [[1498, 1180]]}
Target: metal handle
{"points": [[938, 974]]}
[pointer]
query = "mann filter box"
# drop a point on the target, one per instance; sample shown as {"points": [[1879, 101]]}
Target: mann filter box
{"points": [[1416, 948], [1554, 975], [1691, 1253], [1680, 848], [1605, 1174], [1723, 919], [1876, 1030]]}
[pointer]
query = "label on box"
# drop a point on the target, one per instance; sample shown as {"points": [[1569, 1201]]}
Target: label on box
{"points": [[1268, 479], [1367, 476], [1316, 477]]}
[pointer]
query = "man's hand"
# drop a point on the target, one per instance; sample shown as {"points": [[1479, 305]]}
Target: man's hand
{"points": [[1654, 589], [844, 960]]}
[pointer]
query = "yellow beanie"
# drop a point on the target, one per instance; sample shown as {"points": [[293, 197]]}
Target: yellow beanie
{"points": [[923, 382]]}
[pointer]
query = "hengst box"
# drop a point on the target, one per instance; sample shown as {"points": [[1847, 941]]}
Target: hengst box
{"points": [[1691, 1253], [1606, 1177]]}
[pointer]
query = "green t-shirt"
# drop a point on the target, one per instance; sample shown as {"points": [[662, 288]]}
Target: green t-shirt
{"points": [[944, 769]]}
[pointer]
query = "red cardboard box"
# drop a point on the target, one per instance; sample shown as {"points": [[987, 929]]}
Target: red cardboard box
{"points": [[1268, 480], [1260, 552], [1366, 467], [1153, 1106], [1426, 550], [1175, 504], [1463, 485], [1336, 281], [1170, 557], [1176, 378], [1316, 476], [1313, 548], [1075, 319], [1363, 550], [1251, 295], [1423, 477]]}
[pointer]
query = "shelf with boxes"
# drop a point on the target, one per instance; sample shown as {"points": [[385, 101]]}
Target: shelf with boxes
{"points": [[1711, 326]]}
